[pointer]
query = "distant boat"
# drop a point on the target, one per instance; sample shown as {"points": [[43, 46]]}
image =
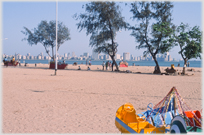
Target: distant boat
{"points": [[59, 65]]}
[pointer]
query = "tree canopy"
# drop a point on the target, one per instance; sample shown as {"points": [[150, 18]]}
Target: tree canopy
{"points": [[102, 20], [154, 27], [45, 34], [189, 41]]}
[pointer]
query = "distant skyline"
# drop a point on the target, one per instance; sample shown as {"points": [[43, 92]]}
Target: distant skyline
{"points": [[16, 15]]}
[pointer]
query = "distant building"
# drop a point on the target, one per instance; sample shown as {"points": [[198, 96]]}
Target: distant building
{"points": [[65, 55], [32, 57], [169, 58], [39, 57], [73, 54], [23, 57], [95, 55], [117, 56], [107, 57], [101, 57], [126, 56], [86, 54], [27, 57], [131, 57]]}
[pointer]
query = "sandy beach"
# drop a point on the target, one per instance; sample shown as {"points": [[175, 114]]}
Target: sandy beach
{"points": [[36, 101]]}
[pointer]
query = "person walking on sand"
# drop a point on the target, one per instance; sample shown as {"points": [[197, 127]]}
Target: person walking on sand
{"points": [[103, 64], [188, 64]]}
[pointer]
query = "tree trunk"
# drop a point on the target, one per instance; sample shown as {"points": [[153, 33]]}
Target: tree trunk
{"points": [[114, 63], [157, 68], [184, 67]]}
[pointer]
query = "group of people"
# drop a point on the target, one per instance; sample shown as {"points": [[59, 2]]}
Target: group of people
{"points": [[186, 64], [108, 65], [87, 68], [6, 61], [88, 63]]}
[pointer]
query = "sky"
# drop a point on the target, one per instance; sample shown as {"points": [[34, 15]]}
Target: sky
{"points": [[16, 15]]}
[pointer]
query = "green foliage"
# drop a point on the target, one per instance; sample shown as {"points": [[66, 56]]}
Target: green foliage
{"points": [[154, 27], [102, 20], [45, 34], [189, 41]]}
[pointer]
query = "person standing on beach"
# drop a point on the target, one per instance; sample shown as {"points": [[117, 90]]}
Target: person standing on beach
{"points": [[19, 62], [107, 65], [110, 65], [5, 59], [103, 64], [188, 64], [86, 62]]}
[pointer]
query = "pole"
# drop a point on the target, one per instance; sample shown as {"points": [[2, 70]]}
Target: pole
{"points": [[56, 41]]}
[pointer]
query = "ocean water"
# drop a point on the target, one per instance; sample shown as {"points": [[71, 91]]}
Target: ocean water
{"points": [[130, 63]]}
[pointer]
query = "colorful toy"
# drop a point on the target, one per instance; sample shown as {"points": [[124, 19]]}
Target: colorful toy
{"points": [[171, 114], [127, 121]]}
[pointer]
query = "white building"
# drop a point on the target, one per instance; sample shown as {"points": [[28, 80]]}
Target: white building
{"points": [[65, 55], [73, 54], [95, 55], [107, 57], [126, 56], [117, 56], [39, 57]]}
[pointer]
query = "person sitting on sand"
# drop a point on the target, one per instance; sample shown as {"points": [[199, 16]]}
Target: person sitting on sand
{"points": [[79, 68], [172, 66], [5, 59], [13, 60], [88, 68]]}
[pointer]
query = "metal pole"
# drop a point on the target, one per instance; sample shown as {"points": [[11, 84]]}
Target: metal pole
{"points": [[56, 41]]}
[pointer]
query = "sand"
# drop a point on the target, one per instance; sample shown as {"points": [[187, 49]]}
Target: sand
{"points": [[36, 101]]}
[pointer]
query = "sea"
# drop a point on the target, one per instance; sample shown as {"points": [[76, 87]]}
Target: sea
{"points": [[130, 63]]}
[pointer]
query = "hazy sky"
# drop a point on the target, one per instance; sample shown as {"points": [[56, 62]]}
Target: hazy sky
{"points": [[16, 15]]}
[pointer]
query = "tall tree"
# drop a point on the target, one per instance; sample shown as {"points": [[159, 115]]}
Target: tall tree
{"points": [[45, 34], [102, 20], [153, 29], [189, 41]]}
